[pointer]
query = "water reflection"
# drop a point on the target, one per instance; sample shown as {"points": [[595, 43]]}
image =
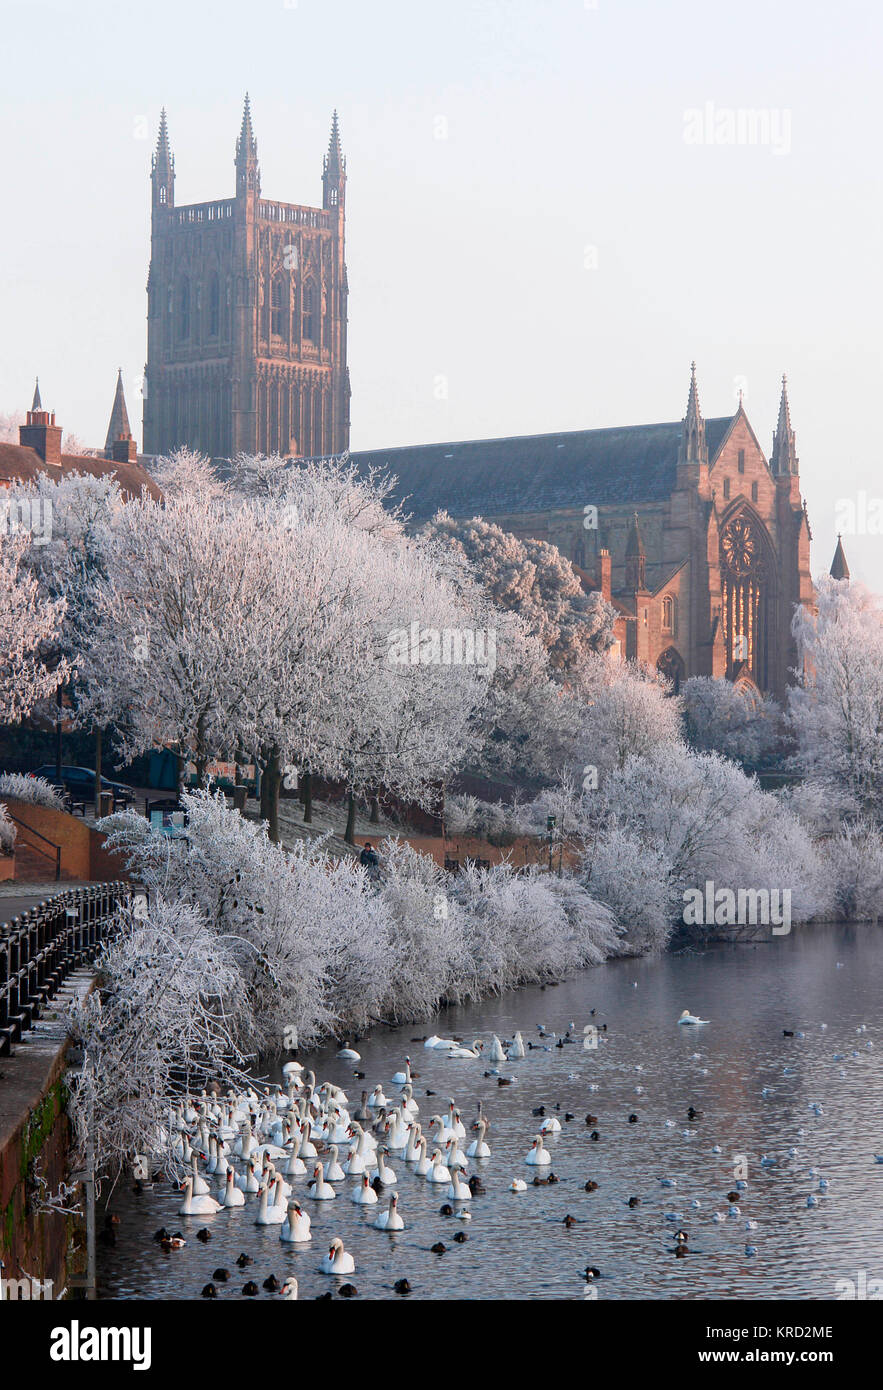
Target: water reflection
{"points": [[754, 1089]]}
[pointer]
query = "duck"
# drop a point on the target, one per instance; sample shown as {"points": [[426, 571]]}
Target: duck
{"points": [[338, 1260], [250, 1289], [538, 1156], [402, 1286], [203, 1205], [478, 1148], [204, 1235], [270, 1214], [320, 1190], [233, 1197], [289, 1288], [295, 1229], [389, 1220], [687, 1017]]}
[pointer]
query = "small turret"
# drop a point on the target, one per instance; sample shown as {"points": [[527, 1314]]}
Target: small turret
{"points": [[162, 168], [783, 459], [334, 170], [248, 173], [693, 447], [635, 559], [839, 567]]}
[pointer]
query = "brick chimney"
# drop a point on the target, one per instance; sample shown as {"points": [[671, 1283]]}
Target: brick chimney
{"points": [[124, 449], [604, 581], [41, 432]]}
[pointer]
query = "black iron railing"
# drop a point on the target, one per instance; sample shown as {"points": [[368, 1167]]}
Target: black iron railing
{"points": [[39, 948]]}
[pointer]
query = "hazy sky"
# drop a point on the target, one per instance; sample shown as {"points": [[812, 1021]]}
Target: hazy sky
{"points": [[538, 236]]}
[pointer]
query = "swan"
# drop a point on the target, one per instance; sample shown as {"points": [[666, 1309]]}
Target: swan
{"points": [[248, 1181], [338, 1260], [472, 1052], [364, 1196], [196, 1206], [455, 1123], [538, 1156], [270, 1214], [200, 1186], [518, 1185], [516, 1049], [383, 1171], [233, 1197], [377, 1100], [412, 1152], [438, 1172], [290, 1069], [687, 1017], [437, 1042], [289, 1288], [408, 1103], [389, 1220], [307, 1148], [295, 1167], [403, 1078], [333, 1171], [459, 1191], [497, 1052], [320, 1190], [355, 1164], [295, 1229], [396, 1133], [349, 1054], [453, 1155], [550, 1125], [478, 1148], [424, 1164]]}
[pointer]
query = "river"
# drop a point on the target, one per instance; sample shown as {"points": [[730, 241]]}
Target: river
{"points": [[518, 1246]]}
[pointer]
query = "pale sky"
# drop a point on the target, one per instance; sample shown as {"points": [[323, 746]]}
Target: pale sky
{"points": [[529, 216]]}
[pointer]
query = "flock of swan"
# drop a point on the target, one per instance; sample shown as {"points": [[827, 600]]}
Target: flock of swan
{"points": [[277, 1150]]}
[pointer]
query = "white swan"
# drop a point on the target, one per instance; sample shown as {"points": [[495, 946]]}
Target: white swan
{"points": [[377, 1100], [424, 1164], [459, 1191], [270, 1214], [497, 1052], [290, 1069], [349, 1054], [320, 1190], [364, 1195], [200, 1186], [438, 1172], [383, 1171], [289, 1288], [248, 1181], [472, 1052], [453, 1155], [233, 1197], [478, 1148], [538, 1156], [403, 1078], [687, 1017], [333, 1170], [338, 1260], [412, 1152], [516, 1051], [389, 1220], [550, 1125], [518, 1185], [436, 1041], [295, 1228], [196, 1206]]}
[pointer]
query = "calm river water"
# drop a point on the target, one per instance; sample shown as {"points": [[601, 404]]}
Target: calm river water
{"points": [[518, 1246]]}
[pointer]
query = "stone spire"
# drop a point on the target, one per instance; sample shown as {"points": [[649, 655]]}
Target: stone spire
{"points": [[784, 456], [693, 447], [162, 167], [37, 404], [333, 169], [248, 174], [635, 559], [118, 427], [839, 567]]}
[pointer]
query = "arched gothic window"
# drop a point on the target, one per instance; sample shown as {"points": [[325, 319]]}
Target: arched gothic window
{"points": [[309, 311], [278, 307], [184, 310]]}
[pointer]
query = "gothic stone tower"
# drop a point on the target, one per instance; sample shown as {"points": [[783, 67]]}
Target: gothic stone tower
{"points": [[247, 314]]}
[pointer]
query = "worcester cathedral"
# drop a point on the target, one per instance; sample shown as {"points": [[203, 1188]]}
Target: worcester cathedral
{"points": [[699, 540]]}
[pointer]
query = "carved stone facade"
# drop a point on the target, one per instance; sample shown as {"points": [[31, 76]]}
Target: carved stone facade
{"points": [[247, 315], [700, 542]]}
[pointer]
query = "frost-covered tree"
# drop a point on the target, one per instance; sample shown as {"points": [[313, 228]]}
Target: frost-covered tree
{"points": [[31, 669], [535, 580], [721, 718], [34, 790], [836, 707], [627, 712], [187, 473], [8, 831], [853, 861]]}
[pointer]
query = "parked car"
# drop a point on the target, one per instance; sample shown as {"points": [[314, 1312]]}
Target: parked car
{"points": [[79, 782]]}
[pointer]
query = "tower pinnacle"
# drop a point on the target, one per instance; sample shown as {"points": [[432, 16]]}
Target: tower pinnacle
{"points": [[248, 175], [162, 167], [693, 448], [333, 169], [119, 418], [784, 456], [839, 567], [37, 404]]}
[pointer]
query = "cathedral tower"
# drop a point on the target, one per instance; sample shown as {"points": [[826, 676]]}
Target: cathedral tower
{"points": [[247, 312]]}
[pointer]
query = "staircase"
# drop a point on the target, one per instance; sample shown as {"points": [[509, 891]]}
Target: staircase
{"points": [[35, 866]]}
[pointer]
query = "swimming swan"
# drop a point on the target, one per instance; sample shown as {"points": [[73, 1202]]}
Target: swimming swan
{"points": [[196, 1206], [338, 1260], [687, 1017], [389, 1220]]}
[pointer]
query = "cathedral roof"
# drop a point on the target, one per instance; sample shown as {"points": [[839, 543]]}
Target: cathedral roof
{"points": [[538, 472]]}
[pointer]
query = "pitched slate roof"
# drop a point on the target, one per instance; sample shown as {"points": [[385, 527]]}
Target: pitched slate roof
{"points": [[538, 472], [20, 463]]}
